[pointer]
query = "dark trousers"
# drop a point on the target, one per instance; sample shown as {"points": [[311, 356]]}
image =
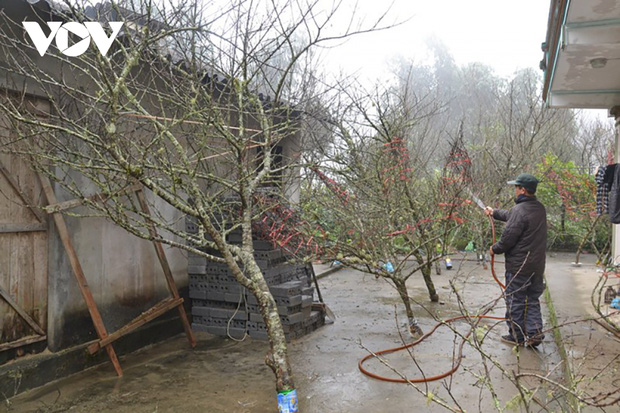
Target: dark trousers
{"points": [[523, 314]]}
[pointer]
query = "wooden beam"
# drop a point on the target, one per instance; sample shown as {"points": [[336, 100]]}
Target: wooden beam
{"points": [[152, 313], [23, 314], [9, 228], [28, 203], [63, 232], [22, 342], [161, 255], [73, 203]]}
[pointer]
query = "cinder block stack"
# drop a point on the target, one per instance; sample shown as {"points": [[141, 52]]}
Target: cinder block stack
{"points": [[221, 306]]}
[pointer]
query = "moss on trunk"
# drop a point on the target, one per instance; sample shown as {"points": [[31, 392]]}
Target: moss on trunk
{"points": [[277, 359]]}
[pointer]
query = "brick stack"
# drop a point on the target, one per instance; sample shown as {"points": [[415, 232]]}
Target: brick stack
{"points": [[221, 306]]}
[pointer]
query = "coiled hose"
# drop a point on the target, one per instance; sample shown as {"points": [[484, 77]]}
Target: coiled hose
{"points": [[457, 362]]}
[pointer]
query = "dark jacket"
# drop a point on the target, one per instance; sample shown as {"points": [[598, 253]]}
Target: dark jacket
{"points": [[524, 239]]}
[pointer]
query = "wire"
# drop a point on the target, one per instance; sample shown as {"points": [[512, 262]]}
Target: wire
{"points": [[245, 333], [456, 364]]}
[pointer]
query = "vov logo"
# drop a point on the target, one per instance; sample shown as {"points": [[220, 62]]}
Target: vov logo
{"points": [[85, 31]]}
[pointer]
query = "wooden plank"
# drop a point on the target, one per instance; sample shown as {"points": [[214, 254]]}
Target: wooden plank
{"points": [[5, 281], [18, 250], [161, 255], [22, 342], [14, 286], [27, 202], [39, 263], [63, 232], [22, 305], [73, 203], [152, 313], [7, 297], [40, 239], [10, 228], [26, 276], [6, 198]]}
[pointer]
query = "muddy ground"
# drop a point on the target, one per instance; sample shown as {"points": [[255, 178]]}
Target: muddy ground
{"points": [[221, 375]]}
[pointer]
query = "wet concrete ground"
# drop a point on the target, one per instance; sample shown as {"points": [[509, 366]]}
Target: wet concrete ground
{"points": [[222, 375], [594, 352]]}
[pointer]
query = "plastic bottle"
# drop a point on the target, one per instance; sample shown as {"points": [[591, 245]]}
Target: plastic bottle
{"points": [[287, 401], [470, 246]]}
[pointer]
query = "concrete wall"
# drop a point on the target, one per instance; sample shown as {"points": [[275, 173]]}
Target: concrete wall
{"points": [[123, 272], [292, 179]]}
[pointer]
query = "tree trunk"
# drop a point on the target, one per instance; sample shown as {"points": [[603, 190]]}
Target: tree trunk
{"points": [[426, 273], [277, 360], [401, 287]]}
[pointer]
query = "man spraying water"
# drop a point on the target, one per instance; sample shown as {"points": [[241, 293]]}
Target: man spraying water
{"points": [[523, 242]]}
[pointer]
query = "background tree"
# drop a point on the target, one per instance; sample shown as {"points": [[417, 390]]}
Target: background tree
{"points": [[569, 194], [387, 208], [593, 143], [506, 127]]}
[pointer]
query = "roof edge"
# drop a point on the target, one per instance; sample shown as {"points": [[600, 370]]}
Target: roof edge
{"points": [[551, 47]]}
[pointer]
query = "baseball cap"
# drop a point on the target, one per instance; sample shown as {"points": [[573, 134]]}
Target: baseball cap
{"points": [[527, 181]]}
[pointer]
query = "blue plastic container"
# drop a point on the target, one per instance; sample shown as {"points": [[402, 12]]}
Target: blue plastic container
{"points": [[287, 401]]}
